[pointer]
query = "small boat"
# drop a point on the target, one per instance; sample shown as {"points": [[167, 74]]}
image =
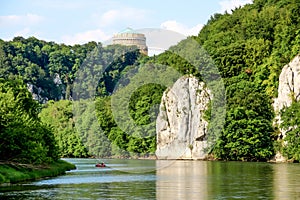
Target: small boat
{"points": [[100, 165]]}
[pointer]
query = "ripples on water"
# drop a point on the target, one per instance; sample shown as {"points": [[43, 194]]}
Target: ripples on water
{"points": [[150, 179]]}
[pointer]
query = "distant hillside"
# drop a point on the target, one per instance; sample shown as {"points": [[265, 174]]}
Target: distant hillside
{"points": [[50, 69]]}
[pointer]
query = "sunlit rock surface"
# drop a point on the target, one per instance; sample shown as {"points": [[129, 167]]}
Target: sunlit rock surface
{"points": [[181, 128]]}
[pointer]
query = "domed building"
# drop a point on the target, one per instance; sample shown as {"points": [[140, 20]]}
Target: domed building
{"points": [[129, 37]]}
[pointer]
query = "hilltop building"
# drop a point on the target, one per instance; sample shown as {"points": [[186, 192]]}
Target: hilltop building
{"points": [[129, 37]]}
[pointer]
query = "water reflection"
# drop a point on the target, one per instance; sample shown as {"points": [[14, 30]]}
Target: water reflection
{"points": [[181, 180], [286, 181], [236, 180], [227, 180]]}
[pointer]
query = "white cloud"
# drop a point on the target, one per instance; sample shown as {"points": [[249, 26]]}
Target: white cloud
{"points": [[110, 17], [227, 5], [24, 32], [124, 15], [181, 28], [20, 25], [87, 36], [20, 20]]}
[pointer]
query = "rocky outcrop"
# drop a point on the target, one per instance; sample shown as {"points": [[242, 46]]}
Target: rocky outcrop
{"points": [[289, 85], [288, 89], [180, 127], [38, 93]]}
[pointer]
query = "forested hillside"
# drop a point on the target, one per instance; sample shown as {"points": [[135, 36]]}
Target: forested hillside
{"points": [[24, 138], [249, 48], [49, 70]]}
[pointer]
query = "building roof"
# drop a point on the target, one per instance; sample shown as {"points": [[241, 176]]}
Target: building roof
{"points": [[127, 30]]}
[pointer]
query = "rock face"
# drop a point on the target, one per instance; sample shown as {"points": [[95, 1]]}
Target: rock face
{"points": [[38, 93], [180, 126], [289, 86]]}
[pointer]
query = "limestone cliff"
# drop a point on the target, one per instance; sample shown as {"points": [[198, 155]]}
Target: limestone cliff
{"points": [[180, 126], [289, 86]]}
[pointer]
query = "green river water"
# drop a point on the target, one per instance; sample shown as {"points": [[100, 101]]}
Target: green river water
{"points": [[154, 179]]}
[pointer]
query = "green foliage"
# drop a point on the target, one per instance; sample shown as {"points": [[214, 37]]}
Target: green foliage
{"points": [[24, 138], [134, 105], [59, 115], [247, 134], [138, 138], [102, 69], [245, 137], [250, 47], [48, 67], [143, 108], [117, 138], [117, 68], [259, 38], [88, 127], [141, 102], [14, 173], [58, 71], [291, 123]]}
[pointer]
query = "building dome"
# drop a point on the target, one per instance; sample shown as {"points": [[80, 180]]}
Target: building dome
{"points": [[129, 37]]}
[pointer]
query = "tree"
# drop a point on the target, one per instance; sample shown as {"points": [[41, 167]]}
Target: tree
{"points": [[59, 115], [88, 127], [291, 123], [245, 137], [24, 138], [247, 133]]}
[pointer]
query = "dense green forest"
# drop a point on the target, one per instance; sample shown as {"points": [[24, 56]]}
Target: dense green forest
{"points": [[250, 47], [74, 115], [24, 137], [49, 71]]}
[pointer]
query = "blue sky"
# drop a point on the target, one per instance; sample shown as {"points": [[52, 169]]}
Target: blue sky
{"points": [[80, 21]]}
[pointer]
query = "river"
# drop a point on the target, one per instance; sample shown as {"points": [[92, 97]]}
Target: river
{"points": [[158, 179]]}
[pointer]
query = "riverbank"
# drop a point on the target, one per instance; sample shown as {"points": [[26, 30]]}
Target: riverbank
{"points": [[16, 172]]}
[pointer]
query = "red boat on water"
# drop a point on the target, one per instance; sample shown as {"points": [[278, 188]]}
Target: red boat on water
{"points": [[100, 165]]}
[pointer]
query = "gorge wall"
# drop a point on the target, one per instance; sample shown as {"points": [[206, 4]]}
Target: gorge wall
{"points": [[289, 85], [181, 127], [289, 88]]}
